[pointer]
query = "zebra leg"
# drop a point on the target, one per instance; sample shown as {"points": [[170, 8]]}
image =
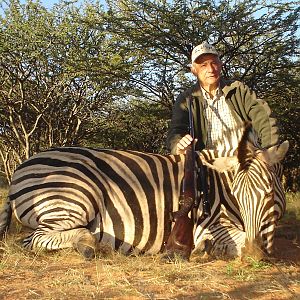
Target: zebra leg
{"points": [[80, 239], [85, 243], [226, 240]]}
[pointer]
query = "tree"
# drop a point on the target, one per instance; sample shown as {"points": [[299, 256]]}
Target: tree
{"points": [[133, 125], [79, 74], [246, 33], [258, 42], [55, 69], [285, 101]]}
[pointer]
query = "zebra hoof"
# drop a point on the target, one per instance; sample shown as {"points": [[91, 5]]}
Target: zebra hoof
{"points": [[86, 251], [86, 245]]}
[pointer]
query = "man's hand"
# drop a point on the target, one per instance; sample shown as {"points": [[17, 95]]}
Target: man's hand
{"points": [[183, 144]]}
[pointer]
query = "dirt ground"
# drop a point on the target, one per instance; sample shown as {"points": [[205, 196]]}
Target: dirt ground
{"points": [[66, 275]]}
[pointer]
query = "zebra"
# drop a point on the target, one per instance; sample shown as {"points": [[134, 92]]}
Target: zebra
{"points": [[251, 199], [75, 197]]}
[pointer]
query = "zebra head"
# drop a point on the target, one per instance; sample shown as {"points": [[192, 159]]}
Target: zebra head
{"points": [[259, 194], [257, 190]]}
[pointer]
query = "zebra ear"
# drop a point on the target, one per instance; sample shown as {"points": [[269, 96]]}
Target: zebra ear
{"points": [[221, 164], [276, 153]]}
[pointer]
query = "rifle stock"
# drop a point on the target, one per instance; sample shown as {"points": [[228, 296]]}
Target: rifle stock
{"points": [[181, 239]]}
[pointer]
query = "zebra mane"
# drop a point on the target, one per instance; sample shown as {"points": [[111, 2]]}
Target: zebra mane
{"points": [[245, 149]]}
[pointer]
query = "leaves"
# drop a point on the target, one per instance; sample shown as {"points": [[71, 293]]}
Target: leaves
{"points": [[81, 74]]}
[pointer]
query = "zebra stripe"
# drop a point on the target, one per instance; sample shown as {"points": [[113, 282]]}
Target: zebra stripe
{"points": [[73, 197], [251, 201], [67, 184]]}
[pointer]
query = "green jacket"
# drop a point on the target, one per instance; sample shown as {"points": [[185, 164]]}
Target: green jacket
{"points": [[241, 100]]}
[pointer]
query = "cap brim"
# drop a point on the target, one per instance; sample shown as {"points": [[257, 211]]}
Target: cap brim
{"points": [[204, 54]]}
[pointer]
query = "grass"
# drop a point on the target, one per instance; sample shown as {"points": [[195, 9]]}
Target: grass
{"points": [[65, 274], [292, 214], [249, 270]]}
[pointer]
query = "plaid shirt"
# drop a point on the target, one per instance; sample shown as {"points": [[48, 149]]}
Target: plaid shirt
{"points": [[222, 129]]}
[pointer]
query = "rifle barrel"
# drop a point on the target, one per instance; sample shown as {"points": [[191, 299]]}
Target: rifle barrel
{"points": [[203, 171]]}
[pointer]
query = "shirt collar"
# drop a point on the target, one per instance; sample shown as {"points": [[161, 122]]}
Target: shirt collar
{"points": [[206, 95]]}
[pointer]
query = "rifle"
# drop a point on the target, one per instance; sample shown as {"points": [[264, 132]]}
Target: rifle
{"points": [[181, 239]]}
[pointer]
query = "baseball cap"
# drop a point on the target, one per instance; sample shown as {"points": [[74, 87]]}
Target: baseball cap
{"points": [[203, 48]]}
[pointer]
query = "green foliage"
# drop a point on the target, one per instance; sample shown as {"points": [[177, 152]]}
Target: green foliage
{"points": [[81, 74], [134, 125], [246, 33], [246, 272], [56, 69], [258, 44]]}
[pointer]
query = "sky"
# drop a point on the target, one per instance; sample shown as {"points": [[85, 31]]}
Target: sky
{"points": [[46, 3], [50, 3]]}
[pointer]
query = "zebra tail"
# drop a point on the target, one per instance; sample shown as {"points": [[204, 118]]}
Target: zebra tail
{"points": [[5, 218]]}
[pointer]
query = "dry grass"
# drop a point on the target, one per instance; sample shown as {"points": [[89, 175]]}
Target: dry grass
{"points": [[66, 275], [292, 214], [3, 194]]}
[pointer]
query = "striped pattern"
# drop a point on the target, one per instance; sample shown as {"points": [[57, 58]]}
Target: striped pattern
{"points": [[258, 190], [74, 196], [223, 131], [117, 194], [249, 201]]}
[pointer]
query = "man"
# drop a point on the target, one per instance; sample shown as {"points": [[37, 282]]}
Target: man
{"points": [[219, 109]]}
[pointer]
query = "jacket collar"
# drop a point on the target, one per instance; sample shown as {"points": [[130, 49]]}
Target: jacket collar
{"points": [[226, 87]]}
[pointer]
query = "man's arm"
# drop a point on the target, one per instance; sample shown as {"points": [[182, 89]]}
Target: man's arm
{"points": [[262, 120], [179, 125]]}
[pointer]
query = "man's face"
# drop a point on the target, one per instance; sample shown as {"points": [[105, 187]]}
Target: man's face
{"points": [[207, 68]]}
